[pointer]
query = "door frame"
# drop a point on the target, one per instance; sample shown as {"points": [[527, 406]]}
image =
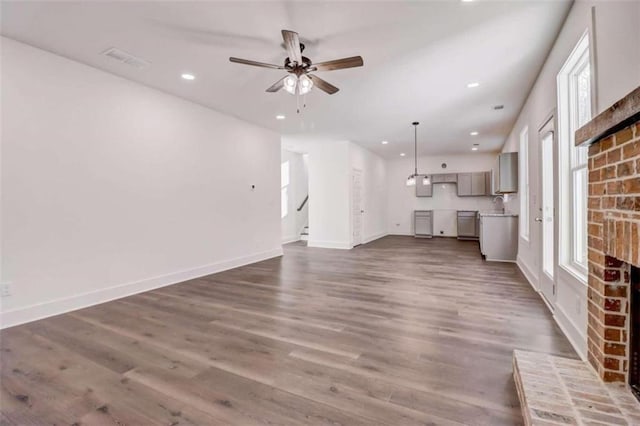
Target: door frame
{"points": [[354, 172], [549, 125]]}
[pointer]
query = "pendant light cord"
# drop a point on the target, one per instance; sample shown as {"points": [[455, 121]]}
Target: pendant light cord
{"points": [[415, 147]]}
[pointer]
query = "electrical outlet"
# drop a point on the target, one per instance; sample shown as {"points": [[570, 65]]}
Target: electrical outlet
{"points": [[5, 289]]}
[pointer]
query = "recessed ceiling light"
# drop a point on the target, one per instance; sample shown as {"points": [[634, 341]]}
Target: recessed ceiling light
{"points": [[402, 154], [472, 85], [385, 142], [188, 76], [467, 1], [474, 133], [280, 117]]}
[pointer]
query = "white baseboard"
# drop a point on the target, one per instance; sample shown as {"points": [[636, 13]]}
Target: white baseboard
{"points": [[528, 274], [291, 239], [343, 245], [374, 237], [67, 304]]}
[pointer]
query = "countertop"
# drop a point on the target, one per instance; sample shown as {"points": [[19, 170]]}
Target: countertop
{"points": [[498, 214]]}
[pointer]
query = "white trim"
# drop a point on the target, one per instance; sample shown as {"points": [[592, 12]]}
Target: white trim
{"points": [[527, 272], [524, 224], [500, 260], [343, 245], [84, 300], [568, 164], [291, 239], [374, 237]]}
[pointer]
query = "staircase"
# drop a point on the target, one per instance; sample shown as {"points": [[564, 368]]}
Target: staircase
{"points": [[304, 235]]}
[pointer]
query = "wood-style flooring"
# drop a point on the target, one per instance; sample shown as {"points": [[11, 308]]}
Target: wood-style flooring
{"points": [[396, 332]]}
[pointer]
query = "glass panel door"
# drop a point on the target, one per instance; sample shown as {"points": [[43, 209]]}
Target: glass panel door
{"points": [[548, 208]]}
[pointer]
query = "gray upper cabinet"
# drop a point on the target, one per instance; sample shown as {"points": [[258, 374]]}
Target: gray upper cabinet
{"points": [[464, 184], [478, 184], [505, 173], [445, 178], [423, 190], [472, 184], [488, 183]]}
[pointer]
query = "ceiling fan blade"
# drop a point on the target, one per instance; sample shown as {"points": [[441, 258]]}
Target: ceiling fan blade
{"points": [[255, 63], [323, 85], [338, 64], [277, 85], [292, 43]]}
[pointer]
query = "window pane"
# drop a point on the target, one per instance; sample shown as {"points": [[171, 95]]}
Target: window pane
{"points": [[583, 107], [284, 202], [580, 216], [284, 174], [584, 96]]}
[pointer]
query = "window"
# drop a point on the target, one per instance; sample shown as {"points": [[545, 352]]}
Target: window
{"points": [[574, 110], [523, 155], [284, 189]]}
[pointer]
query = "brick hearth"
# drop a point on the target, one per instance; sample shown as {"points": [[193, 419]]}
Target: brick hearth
{"points": [[614, 231]]}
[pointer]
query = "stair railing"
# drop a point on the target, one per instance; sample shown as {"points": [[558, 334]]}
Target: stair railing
{"points": [[304, 202]]}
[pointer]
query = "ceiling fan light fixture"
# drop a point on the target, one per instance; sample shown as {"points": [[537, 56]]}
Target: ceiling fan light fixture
{"points": [[290, 84], [304, 84]]}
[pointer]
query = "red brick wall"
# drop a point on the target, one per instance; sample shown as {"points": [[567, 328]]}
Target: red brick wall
{"points": [[614, 244]]}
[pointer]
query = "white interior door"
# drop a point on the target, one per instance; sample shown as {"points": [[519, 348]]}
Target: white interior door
{"points": [[547, 214], [357, 206]]}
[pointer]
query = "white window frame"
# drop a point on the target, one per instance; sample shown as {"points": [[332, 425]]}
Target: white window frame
{"points": [[524, 184], [572, 161]]}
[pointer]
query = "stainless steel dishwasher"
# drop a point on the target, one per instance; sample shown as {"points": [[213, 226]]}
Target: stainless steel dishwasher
{"points": [[467, 225]]}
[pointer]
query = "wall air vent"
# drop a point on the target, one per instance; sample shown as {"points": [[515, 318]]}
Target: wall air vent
{"points": [[126, 58]]}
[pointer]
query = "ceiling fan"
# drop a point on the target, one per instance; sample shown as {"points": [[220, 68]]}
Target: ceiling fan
{"points": [[299, 81]]}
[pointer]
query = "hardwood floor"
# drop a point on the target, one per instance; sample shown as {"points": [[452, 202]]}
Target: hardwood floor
{"points": [[396, 332]]}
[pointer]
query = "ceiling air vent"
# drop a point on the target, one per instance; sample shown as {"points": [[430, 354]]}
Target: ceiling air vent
{"points": [[126, 58]]}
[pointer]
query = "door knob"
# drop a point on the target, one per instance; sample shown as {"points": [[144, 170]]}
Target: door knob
{"points": [[538, 219]]}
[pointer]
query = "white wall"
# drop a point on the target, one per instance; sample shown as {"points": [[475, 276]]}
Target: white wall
{"points": [[329, 188], [402, 200], [374, 192], [330, 166], [295, 220], [617, 72], [111, 188]]}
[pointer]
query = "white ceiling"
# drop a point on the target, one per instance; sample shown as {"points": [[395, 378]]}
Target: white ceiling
{"points": [[418, 56]]}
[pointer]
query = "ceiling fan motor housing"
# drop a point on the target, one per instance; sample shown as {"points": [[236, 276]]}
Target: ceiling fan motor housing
{"points": [[298, 68]]}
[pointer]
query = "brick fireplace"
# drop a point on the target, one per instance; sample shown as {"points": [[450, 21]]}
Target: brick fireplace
{"points": [[613, 233]]}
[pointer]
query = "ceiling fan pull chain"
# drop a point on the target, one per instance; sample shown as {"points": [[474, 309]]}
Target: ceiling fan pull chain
{"points": [[298, 102]]}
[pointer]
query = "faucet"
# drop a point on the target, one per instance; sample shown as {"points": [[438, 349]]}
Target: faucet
{"points": [[501, 198]]}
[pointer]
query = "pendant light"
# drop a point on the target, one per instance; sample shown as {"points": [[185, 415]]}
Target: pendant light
{"points": [[411, 180]]}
